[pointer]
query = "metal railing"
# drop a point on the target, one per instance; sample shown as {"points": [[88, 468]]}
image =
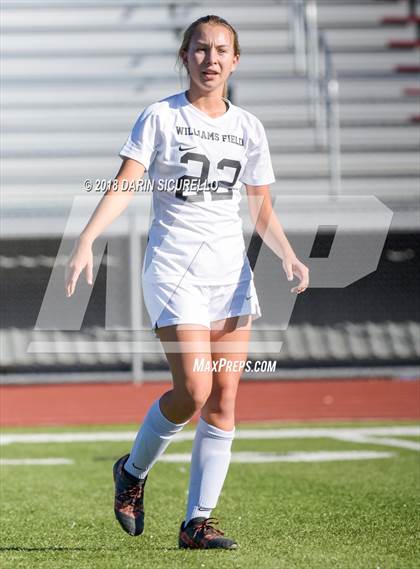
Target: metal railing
{"points": [[312, 59]]}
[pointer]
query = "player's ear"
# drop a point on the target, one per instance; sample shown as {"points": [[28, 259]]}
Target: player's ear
{"points": [[235, 62], [184, 58]]}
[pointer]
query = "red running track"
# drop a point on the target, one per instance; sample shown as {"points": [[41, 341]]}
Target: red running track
{"points": [[342, 399]]}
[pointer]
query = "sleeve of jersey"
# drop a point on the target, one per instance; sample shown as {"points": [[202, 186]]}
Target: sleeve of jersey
{"points": [[142, 142], [258, 169]]}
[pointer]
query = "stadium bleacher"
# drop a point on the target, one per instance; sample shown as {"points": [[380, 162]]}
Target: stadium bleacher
{"points": [[75, 77]]}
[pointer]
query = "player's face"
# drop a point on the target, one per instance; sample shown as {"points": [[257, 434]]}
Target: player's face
{"points": [[210, 57]]}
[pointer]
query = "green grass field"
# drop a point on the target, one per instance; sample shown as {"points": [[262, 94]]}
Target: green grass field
{"points": [[341, 514]]}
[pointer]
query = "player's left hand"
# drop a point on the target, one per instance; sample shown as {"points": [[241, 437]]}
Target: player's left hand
{"points": [[292, 266]]}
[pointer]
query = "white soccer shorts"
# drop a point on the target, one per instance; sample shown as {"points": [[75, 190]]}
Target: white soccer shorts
{"points": [[188, 303]]}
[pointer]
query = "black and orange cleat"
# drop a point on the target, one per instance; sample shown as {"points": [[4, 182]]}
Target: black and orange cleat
{"points": [[129, 494], [200, 533]]}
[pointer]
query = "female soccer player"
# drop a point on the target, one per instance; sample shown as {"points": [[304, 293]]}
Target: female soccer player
{"points": [[198, 149]]}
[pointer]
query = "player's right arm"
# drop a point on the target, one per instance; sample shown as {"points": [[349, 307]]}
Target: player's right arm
{"points": [[113, 203]]}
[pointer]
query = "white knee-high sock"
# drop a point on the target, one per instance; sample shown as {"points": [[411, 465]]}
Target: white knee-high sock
{"points": [[152, 439], [209, 465]]}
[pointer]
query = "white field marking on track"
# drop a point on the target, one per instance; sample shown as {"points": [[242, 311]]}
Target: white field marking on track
{"points": [[34, 461], [320, 456], [358, 434]]}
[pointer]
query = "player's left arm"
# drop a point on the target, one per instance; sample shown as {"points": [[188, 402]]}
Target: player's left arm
{"points": [[271, 232]]}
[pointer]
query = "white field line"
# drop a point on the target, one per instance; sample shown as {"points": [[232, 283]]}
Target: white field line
{"points": [[34, 461], [320, 456], [241, 457], [361, 435], [391, 442], [88, 437]]}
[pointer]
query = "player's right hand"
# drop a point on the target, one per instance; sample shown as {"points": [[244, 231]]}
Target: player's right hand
{"points": [[80, 258]]}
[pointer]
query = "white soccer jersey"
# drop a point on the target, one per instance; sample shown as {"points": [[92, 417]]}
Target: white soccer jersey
{"points": [[197, 165]]}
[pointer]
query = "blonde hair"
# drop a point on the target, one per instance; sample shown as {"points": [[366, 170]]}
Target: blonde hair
{"points": [[189, 32]]}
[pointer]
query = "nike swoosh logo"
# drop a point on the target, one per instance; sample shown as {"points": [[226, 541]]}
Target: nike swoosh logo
{"points": [[248, 297], [186, 148], [137, 468]]}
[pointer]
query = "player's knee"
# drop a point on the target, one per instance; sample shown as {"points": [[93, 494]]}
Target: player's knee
{"points": [[199, 398], [222, 403], [193, 397]]}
